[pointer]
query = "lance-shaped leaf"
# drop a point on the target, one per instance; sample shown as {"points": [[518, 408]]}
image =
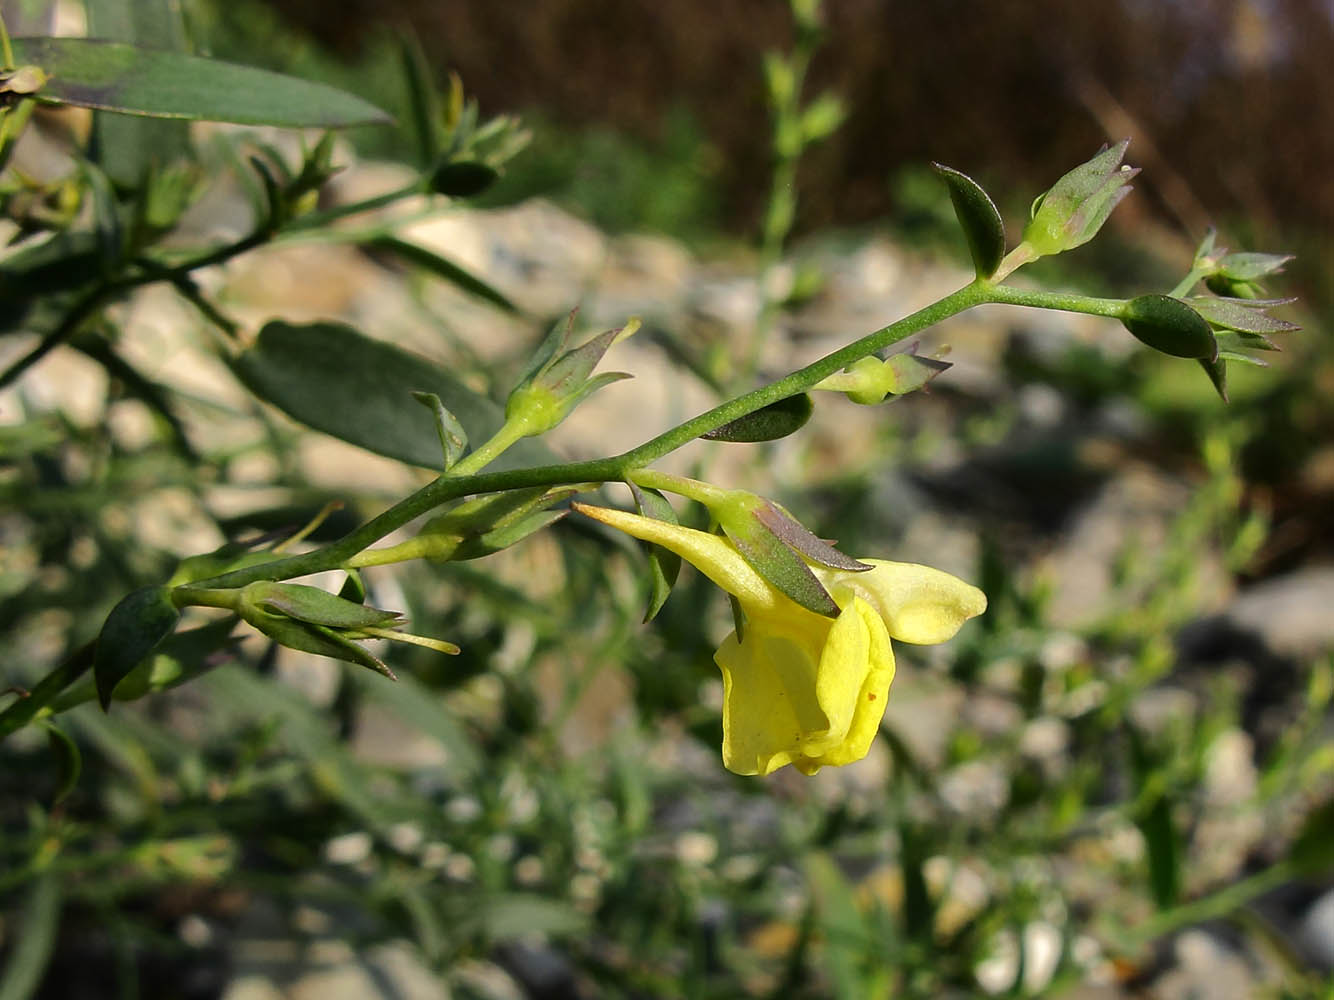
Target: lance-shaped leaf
{"points": [[179, 658], [1246, 315], [981, 221], [133, 630], [797, 536], [772, 558], [1233, 340], [1216, 369], [442, 268], [777, 420], [318, 607], [1251, 266], [1072, 212], [486, 524], [112, 76], [453, 438], [1170, 326], [321, 641], [663, 566]]}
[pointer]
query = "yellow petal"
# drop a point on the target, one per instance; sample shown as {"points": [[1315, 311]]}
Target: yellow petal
{"points": [[715, 557], [919, 604], [870, 699], [762, 719]]}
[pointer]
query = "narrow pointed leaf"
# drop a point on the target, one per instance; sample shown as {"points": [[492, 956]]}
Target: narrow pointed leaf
{"points": [[663, 566], [913, 372], [981, 221], [1250, 266], [797, 536], [423, 98], [319, 607], [1244, 359], [1216, 369], [453, 438], [133, 630], [1247, 315], [442, 268], [321, 641], [1233, 340], [510, 533], [1170, 326], [778, 564], [777, 420], [112, 76]]}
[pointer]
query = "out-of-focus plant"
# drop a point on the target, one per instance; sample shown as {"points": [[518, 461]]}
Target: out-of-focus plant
{"points": [[811, 646]]}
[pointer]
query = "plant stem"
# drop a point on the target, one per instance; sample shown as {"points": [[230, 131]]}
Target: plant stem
{"points": [[449, 487], [1187, 283], [488, 452], [316, 220], [23, 711], [615, 468], [1065, 302]]}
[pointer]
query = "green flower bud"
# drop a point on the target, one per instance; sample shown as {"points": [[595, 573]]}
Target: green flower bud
{"points": [[1072, 212]]}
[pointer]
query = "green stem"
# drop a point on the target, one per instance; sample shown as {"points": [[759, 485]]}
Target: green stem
{"points": [[23, 711], [1188, 282], [691, 489], [205, 597], [316, 220], [602, 470], [1004, 294], [482, 456], [69, 326], [6, 50], [1212, 907]]}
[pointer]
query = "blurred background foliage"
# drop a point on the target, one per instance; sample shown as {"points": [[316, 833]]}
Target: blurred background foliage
{"points": [[1130, 802]]}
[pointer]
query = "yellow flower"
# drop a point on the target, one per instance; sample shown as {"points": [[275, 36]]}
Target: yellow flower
{"points": [[799, 688]]}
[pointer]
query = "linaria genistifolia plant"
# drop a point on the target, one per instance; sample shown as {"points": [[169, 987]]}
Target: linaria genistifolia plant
{"points": [[806, 671]]}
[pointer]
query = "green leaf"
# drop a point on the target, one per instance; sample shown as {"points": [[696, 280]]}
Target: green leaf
{"points": [[777, 563], [34, 939], [1250, 266], [1216, 369], [337, 380], [126, 147], [1170, 326], [1312, 851], [663, 566], [319, 607], [134, 629], [463, 178], [442, 268], [453, 438], [1245, 315], [112, 76], [979, 217], [1164, 848], [777, 420], [796, 535], [845, 931], [71, 761], [423, 99]]}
